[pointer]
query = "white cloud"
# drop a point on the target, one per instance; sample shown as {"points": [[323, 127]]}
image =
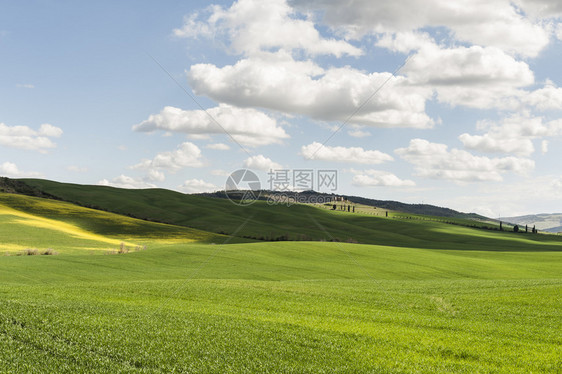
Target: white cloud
{"points": [[23, 137], [489, 143], [433, 160], [514, 134], [124, 181], [317, 151], [261, 162], [473, 76], [197, 186], [252, 26], [277, 81], [488, 23], [377, 178], [50, 131], [192, 28], [186, 155], [218, 146], [541, 8], [546, 98], [9, 169], [404, 42], [154, 175], [247, 126]]}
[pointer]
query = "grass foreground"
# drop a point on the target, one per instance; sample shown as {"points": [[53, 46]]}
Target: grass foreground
{"points": [[429, 298], [292, 307]]}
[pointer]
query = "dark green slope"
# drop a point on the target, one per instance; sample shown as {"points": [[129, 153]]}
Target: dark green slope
{"points": [[297, 222]]}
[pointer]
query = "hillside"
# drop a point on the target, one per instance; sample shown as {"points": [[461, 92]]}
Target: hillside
{"points": [[313, 196], [261, 221], [437, 297], [32, 223]]}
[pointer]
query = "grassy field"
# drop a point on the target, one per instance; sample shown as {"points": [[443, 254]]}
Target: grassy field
{"points": [[435, 298], [292, 307], [34, 223], [261, 221]]}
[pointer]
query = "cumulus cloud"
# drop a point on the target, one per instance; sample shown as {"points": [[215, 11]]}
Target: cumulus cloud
{"points": [[279, 82], [378, 178], [433, 160], [124, 181], [404, 42], [547, 98], [23, 137], [488, 23], [514, 134], [9, 169], [185, 155], [317, 151], [197, 186], [477, 77], [541, 8], [260, 162], [246, 125], [252, 26]]}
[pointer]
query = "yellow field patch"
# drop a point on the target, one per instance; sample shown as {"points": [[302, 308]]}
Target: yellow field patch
{"points": [[12, 247], [46, 223]]}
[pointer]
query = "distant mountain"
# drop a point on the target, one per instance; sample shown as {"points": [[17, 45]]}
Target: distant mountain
{"points": [[543, 222]]}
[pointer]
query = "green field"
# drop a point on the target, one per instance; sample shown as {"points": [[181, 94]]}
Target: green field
{"points": [[261, 221], [424, 297], [34, 223]]}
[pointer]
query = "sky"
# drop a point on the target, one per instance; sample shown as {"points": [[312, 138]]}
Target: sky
{"points": [[451, 103]]}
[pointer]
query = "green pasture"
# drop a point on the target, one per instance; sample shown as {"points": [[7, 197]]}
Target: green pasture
{"points": [[261, 221], [291, 307], [35, 223], [424, 297]]}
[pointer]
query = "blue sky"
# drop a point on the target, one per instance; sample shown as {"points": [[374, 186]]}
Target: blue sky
{"points": [[89, 93]]}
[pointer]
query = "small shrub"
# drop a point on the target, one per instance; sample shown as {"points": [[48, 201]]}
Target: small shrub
{"points": [[123, 248], [29, 252], [49, 252]]}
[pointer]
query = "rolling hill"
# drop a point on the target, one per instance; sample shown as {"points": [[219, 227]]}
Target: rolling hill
{"points": [[313, 196], [32, 223], [429, 294], [261, 221]]}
